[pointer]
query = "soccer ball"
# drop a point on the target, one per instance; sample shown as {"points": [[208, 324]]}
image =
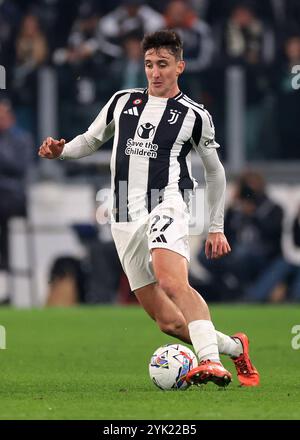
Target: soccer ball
{"points": [[169, 366]]}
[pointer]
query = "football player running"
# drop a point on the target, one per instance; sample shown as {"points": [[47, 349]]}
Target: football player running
{"points": [[154, 131]]}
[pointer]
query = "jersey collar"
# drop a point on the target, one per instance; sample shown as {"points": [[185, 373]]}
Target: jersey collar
{"points": [[176, 97]]}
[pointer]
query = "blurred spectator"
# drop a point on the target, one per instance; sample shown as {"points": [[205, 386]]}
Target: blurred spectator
{"points": [[85, 77], [91, 280], [92, 66], [288, 99], [253, 227], [15, 160], [9, 20], [289, 14], [196, 34], [31, 48], [281, 280], [31, 53], [270, 11], [81, 39], [291, 250], [129, 69], [67, 283], [215, 11], [246, 41], [131, 16], [55, 16], [197, 43]]}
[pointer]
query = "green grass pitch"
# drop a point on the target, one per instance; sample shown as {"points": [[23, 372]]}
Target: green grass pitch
{"points": [[92, 363]]}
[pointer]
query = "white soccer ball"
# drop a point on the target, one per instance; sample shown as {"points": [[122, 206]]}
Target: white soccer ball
{"points": [[169, 366]]}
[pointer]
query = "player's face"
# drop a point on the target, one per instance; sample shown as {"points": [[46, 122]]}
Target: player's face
{"points": [[162, 71]]}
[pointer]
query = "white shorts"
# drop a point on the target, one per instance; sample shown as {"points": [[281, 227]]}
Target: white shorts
{"points": [[165, 227]]}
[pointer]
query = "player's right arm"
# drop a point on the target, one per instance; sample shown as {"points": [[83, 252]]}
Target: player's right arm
{"points": [[51, 148], [81, 146], [100, 131], [216, 244]]}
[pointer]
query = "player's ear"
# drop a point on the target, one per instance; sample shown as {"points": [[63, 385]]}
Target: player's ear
{"points": [[180, 67]]}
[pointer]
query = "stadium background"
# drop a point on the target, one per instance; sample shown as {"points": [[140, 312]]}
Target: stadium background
{"points": [[63, 60]]}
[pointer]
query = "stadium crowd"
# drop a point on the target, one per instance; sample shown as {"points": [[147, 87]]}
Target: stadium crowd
{"points": [[94, 49]]}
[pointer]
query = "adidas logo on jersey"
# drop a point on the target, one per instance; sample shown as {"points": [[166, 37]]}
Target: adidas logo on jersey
{"points": [[160, 239], [132, 111]]}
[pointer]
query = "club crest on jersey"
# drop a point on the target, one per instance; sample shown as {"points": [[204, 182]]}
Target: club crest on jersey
{"points": [[146, 130], [137, 101], [174, 116]]}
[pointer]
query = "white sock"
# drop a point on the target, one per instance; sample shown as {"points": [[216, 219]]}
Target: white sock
{"points": [[204, 340], [227, 345]]}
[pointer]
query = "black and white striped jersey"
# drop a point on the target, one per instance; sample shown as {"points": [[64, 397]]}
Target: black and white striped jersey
{"points": [[153, 138]]}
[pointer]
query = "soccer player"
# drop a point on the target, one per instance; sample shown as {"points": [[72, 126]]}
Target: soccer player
{"points": [[154, 131]]}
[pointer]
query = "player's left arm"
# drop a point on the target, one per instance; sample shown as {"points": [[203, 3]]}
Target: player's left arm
{"points": [[216, 244]]}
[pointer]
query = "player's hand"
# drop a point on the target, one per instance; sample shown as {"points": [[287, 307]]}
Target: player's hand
{"points": [[51, 148], [216, 245]]}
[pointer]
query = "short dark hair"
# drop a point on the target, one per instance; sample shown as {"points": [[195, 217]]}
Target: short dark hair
{"points": [[165, 39]]}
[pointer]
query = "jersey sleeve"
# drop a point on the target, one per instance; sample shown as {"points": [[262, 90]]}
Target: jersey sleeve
{"points": [[103, 127], [203, 140], [203, 137]]}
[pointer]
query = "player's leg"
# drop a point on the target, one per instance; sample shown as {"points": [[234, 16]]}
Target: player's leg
{"points": [[226, 344], [172, 322], [171, 271], [132, 246], [163, 311], [133, 252], [237, 347]]}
